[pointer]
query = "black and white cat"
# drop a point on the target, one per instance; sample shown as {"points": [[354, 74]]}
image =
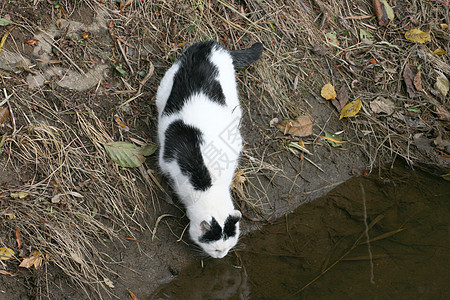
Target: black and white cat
{"points": [[200, 143]]}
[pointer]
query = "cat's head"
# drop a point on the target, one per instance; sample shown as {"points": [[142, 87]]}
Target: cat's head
{"points": [[218, 234]]}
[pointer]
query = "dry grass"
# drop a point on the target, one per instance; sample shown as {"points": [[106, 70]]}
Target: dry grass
{"points": [[60, 152]]}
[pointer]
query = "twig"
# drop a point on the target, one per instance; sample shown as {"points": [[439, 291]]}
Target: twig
{"points": [[147, 77], [377, 219], [304, 6], [10, 111], [157, 223], [363, 192], [119, 43]]}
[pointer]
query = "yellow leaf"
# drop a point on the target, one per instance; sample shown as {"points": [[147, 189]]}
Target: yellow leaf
{"points": [[439, 51], [328, 91], [444, 26], [19, 195], [351, 109], [5, 36], [417, 36], [446, 176], [6, 253], [333, 140]]}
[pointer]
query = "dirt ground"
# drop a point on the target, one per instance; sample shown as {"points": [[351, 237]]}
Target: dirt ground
{"points": [[79, 74]]}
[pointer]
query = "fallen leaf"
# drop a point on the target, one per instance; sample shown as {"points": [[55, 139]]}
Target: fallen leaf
{"points": [[417, 36], [443, 113], [125, 154], [444, 26], [365, 35], [383, 11], [239, 177], [342, 96], [332, 38], [408, 77], [389, 11], [132, 295], [120, 70], [333, 139], [3, 40], [108, 282], [19, 195], [34, 260], [84, 34], [274, 122], [121, 123], [328, 92], [4, 115], [149, 149], [351, 109], [6, 253], [382, 105], [442, 144], [76, 257], [2, 141], [442, 85], [5, 22], [31, 42], [18, 239], [418, 81], [446, 176], [439, 51], [8, 273], [302, 126]]}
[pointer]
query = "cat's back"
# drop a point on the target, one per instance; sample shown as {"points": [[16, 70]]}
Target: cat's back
{"points": [[204, 71]]}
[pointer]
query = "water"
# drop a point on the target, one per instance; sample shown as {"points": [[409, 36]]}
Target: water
{"points": [[321, 252]]}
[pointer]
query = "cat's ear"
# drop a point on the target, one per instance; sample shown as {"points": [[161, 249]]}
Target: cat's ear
{"points": [[236, 214], [205, 226]]}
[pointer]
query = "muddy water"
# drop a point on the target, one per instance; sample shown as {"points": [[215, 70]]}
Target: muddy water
{"points": [[321, 252]]}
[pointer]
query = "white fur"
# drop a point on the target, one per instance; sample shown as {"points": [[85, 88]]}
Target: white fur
{"points": [[215, 122]]}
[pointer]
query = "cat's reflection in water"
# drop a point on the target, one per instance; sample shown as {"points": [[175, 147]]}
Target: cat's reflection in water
{"points": [[218, 279]]}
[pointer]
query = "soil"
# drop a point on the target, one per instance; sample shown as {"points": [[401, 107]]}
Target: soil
{"points": [[276, 180]]}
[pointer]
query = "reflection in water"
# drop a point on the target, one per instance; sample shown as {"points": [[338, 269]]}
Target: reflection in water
{"points": [[218, 279], [317, 253]]}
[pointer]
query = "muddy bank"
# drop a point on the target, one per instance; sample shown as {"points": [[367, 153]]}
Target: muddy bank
{"points": [[320, 250]]}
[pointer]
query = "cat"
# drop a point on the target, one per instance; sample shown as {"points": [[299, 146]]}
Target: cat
{"points": [[200, 143]]}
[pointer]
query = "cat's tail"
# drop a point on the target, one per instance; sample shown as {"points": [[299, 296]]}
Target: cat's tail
{"points": [[243, 58]]}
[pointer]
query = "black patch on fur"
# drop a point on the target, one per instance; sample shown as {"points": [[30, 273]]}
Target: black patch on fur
{"points": [[243, 58], [196, 74], [229, 228], [212, 235], [182, 143]]}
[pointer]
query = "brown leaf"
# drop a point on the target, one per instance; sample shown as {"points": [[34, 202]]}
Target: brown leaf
{"points": [[408, 77], [32, 42], [133, 296], [18, 239], [4, 115], [418, 81], [382, 105], [302, 126], [342, 97], [34, 260], [444, 115], [381, 14]]}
